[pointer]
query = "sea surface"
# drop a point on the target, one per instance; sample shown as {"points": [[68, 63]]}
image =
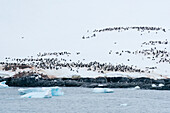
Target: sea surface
{"points": [[83, 100]]}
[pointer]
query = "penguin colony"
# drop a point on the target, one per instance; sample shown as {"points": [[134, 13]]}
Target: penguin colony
{"points": [[56, 63]]}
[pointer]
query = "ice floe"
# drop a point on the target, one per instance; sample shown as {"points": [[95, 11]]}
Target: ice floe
{"points": [[103, 90], [43, 92], [123, 104], [3, 85]]}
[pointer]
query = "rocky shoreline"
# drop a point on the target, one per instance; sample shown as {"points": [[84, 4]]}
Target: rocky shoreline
{"points": [[36, 80]]}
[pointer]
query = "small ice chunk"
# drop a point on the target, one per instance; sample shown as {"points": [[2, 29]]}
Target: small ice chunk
{"points": [[3, 85], [107, 90], [45, 94], [102, 90], [137, 87], [160, 85], [123, 104], [153, 85]]}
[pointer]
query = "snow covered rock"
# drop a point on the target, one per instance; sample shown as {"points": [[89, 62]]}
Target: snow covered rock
{"points": [[153, 85], [3, 85], [44, 94], [102, 90], [161, 85], [137, 87]]}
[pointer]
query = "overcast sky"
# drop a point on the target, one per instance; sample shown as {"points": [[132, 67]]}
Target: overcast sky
{"points": [[56, 25]]}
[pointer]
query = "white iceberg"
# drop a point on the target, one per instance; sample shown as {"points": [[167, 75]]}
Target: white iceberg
{"points": [[55, 91], [3, 85], [23, 91], [44, 94], [102, 90]]}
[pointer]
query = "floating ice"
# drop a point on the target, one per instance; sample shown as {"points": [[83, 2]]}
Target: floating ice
{"points": [[55, 91], [23, 91], [3, 85], [123, 104], [44, 94], [102, 90]]}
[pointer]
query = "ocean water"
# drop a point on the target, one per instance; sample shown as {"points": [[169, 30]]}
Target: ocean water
{"points": [[83, 100]]}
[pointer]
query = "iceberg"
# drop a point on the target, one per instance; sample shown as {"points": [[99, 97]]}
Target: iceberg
{"points": [[55, 91], [3, 85], [23, 91], [45, 94], [102, 90]]}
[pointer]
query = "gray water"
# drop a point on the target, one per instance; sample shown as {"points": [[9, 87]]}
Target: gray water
{"points": [[83, 100]]}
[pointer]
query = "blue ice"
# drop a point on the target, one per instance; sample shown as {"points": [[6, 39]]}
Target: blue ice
{"points": [[55, 91], [44, 94], [3, 85]]}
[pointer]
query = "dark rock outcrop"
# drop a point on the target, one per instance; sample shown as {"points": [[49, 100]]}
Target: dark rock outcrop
{"points": [[36, 80]]}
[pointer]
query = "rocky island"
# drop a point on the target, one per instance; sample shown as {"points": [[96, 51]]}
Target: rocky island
{"points": [[107, 63]]}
